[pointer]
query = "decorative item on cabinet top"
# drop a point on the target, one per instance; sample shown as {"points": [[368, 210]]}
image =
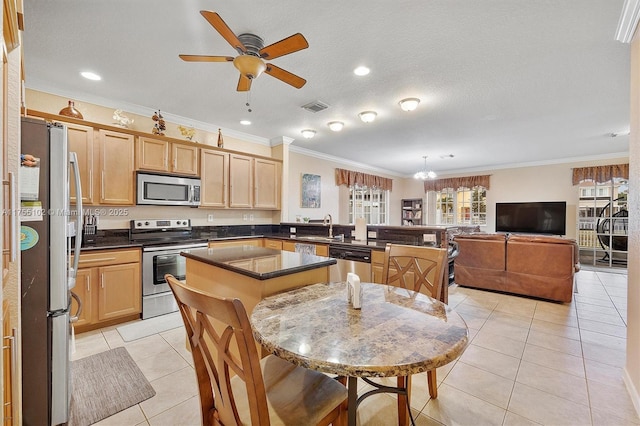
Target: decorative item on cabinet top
{"points": [[220, 140], [187, 132], [159, 127], [121, 119], [71, 111]]}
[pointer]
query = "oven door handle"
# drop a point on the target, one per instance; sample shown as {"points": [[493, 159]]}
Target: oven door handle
{"points": [[172, 248]]}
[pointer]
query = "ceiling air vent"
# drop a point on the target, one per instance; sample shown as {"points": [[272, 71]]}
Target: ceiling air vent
{"points": [[315, 106]]}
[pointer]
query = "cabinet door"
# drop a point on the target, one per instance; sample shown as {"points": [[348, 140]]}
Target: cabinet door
{"points": [[80, 139], [267, 182], [153, 154], [83, 290], [184, 159], [119, 291], [289, 246], [8, 363], [322, 250], [214, 173], [240, 179], [117, 173]]}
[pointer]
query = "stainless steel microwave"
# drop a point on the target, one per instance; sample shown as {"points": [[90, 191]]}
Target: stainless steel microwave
{"points": [[164, 190]]}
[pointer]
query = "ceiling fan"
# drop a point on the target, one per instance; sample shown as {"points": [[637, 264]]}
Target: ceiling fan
{"points": [[252, 54]]}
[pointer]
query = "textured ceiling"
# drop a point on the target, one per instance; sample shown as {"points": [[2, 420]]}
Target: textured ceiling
{"points": [[502, 82]]}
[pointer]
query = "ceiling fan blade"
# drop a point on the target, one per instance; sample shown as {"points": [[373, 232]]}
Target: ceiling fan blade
{"points": [[284, 47], [216, 22], [206, 58], [285, 76], [244, 84]]}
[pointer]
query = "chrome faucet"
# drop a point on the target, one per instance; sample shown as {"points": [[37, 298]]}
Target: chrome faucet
{"points": [[324, 222]]}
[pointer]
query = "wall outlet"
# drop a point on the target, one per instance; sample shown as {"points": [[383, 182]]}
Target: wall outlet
{"points": [[251, 217], [209, 218], [429, 238], [292, 230], [245, 216]]}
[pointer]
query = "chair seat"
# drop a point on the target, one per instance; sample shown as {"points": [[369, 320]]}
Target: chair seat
{"points": [[293, 393]]}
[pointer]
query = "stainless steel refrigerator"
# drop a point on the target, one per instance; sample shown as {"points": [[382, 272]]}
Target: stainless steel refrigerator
{"points": [[47, 275]]}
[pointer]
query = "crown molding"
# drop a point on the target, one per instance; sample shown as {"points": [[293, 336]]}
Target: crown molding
{"points": [[327, 157], [628, 22]]}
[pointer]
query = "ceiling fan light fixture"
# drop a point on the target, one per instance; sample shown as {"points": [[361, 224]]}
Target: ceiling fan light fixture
{"points": [[308, 133], [368, 116], [250, 66], [335, 126], [425, 173], [409, 104]]}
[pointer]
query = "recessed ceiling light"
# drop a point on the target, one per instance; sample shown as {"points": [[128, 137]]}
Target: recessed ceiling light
{"points": [[368, 116], [308, 133], [336, 126], [245, 122], [361, 70], [409, 104], [90, 75]]}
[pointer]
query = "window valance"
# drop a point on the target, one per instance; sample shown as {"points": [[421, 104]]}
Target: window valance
{"points": [[351, 178], [600, 174], [457, 182]]}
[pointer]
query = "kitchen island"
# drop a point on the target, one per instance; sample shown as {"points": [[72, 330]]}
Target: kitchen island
{"points": [[252, 273]]}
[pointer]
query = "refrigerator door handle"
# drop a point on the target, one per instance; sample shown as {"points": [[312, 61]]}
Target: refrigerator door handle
{"points": [[73, 160], [74, 317]]}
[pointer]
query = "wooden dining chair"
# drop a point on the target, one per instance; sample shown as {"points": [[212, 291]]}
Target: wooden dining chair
{"points": [[420, 269], [270, 391]]}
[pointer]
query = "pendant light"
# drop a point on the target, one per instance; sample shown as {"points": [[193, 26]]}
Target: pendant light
{"points": [[425, 173]]}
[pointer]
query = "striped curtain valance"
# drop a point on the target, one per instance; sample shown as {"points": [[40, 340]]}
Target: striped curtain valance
{"points": [[351, 178], [600, 174], [458, 182]]}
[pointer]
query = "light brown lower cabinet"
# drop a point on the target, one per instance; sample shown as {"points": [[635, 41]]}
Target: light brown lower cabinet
{"points": [[234, 243], [109, 286]]}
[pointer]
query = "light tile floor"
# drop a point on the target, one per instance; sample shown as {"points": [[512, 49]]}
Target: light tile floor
{"points": [[529, 362]]}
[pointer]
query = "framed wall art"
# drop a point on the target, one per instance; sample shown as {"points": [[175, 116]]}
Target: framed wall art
{"points": [[310, 191]]}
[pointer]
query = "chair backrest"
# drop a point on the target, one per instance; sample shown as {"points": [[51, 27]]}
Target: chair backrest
{"points": [[416, 268], [213, 356]]}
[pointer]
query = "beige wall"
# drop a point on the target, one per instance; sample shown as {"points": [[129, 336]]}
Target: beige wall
{"points": [[632, 368]]}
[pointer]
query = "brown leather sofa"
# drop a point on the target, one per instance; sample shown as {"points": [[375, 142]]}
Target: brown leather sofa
{"points": [[531, 265]]}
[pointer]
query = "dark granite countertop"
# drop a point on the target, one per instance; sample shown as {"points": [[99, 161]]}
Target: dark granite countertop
{"points": [[258, 262]]}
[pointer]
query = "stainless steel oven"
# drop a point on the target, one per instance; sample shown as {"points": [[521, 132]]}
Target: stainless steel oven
{"points": [[157, 261], [162, 242]]}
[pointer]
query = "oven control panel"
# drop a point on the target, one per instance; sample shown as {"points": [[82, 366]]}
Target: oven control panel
{"points": [[149, 224]]}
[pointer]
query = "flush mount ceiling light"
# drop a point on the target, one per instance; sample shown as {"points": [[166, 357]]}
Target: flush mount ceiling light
{"points": [[308, 133], [90, 75], [245, 122], [335, 126], [361, 71], [409, 104], [368, 116], [425, 173]]}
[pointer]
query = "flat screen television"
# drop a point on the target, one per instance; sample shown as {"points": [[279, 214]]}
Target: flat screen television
{"points": [[548, 217]]}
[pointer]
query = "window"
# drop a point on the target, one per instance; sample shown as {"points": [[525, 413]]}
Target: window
{"points": [[603, 222], [462, 207], [369, 203]]}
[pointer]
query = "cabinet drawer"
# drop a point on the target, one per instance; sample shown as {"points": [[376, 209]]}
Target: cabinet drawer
{"points": [[273, 244], [108, 257]]}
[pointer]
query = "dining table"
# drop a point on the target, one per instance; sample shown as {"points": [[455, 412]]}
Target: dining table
{"points": [[395, 333]]}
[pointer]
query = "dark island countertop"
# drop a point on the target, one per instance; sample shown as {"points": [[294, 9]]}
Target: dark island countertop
{"points": [[258, 262]]}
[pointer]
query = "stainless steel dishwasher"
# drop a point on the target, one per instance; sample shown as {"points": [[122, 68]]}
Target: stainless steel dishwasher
{"points": [[350, 259]]}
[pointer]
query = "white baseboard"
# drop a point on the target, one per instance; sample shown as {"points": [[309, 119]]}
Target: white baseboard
{"points": [[633, 392]]}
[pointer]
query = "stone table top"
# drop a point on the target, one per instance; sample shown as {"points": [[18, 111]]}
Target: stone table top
{"points": [[397, 332]]}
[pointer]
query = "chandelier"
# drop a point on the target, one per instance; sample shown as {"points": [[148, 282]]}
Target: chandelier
{"points": [[425, 173]]}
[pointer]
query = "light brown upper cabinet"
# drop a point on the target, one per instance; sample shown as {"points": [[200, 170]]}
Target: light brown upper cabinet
{"points": [[214, 176], [240, 181], [254, 182], [168, 157], [106, 165], [266, 175], [116, 168], [81, 142]]}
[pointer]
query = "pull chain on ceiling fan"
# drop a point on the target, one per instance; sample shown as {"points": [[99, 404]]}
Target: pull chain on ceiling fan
{"points": [[252, 53]]}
